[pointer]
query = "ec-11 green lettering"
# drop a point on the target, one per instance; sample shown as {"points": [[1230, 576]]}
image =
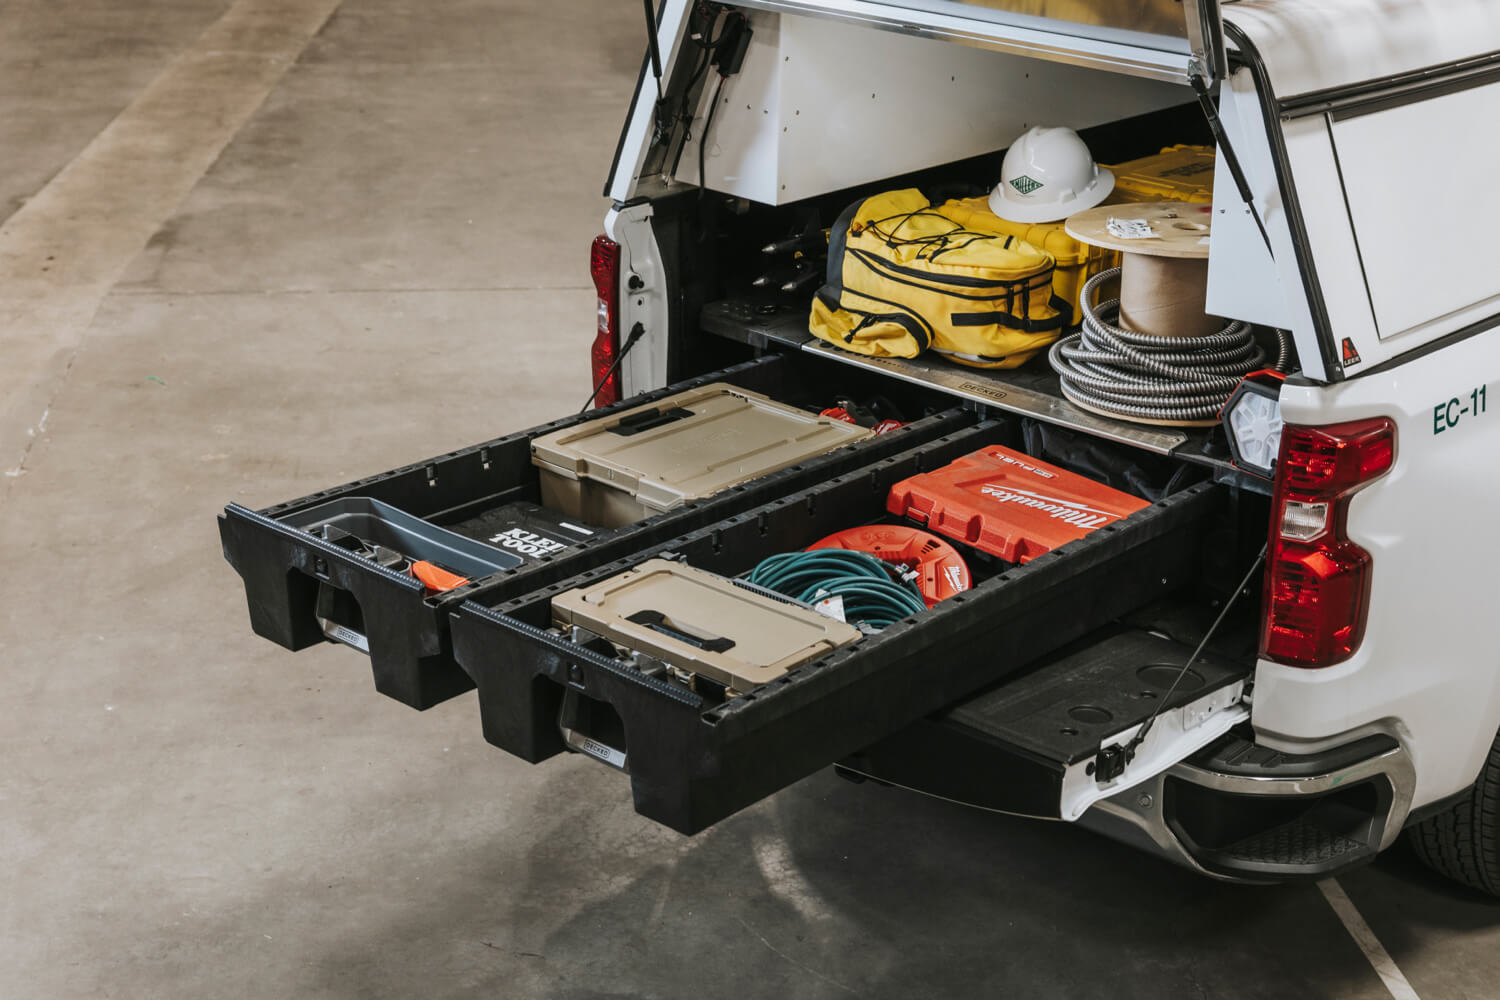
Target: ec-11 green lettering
{"points": [[1445, 416]]}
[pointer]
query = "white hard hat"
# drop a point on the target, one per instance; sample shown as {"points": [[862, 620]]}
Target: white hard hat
{"points": [[1048, 175]]}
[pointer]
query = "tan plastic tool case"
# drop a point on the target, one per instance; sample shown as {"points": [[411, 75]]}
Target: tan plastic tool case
{"points": [[701, 624], [653, 458]]}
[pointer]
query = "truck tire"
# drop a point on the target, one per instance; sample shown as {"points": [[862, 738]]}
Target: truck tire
{"points": [[1463, 841]]}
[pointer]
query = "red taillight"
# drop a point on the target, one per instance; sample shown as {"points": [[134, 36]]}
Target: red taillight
{"points": [[604, 268], [1318, 581], [1316, 603], [1338, 458]]}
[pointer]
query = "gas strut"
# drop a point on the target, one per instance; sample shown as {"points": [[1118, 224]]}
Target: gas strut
{"points": [[1200, 87]]}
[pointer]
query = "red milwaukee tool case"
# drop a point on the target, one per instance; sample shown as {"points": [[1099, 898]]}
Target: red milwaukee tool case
{"points": [[1008, 504]]}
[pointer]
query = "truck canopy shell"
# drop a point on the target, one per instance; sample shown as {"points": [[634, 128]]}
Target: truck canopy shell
{"points": [[1375, 121]]}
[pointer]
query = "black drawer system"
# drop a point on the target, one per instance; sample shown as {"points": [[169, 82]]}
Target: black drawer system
{"points": [[693, 760], [341, 583]]}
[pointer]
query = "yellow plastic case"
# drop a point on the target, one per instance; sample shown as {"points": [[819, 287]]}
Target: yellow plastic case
{"points": [[1177, 173]]}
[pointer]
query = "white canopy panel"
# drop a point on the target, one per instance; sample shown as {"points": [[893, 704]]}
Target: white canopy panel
{"points": [[1309, 46]]}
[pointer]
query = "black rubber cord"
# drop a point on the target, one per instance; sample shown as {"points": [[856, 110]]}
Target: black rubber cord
{"points": [[1140, 736], [708, 124], [636, 332]]}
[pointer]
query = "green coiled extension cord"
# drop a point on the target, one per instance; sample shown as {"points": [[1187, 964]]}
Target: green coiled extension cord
{"points": [[864, 582]]}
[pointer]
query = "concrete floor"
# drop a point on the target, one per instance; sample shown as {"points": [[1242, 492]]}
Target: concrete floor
{"points": [[354, 235]]}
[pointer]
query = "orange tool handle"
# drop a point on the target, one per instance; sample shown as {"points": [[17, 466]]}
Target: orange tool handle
{"points": [[435, 577]]}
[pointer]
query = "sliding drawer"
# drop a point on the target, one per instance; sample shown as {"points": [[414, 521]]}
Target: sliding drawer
{"points": [[694, 758], [339, 565]]}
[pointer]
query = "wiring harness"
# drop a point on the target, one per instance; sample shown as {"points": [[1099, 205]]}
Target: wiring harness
{"points": [[870, 593], [1150, 377]]}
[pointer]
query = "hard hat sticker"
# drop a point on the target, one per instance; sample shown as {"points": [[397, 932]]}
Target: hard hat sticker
{"points": [[1024, 184]]}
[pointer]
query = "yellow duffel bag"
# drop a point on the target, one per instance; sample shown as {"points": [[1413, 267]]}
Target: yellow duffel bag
{"points": [[903, 278], [1075, 262]]}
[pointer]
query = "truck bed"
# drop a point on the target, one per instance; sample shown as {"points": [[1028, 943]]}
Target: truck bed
{"points": [[1029, 391]]}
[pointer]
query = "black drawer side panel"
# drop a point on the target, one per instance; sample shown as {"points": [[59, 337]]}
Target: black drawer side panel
{"points": [[691, 767], [409, 650]]}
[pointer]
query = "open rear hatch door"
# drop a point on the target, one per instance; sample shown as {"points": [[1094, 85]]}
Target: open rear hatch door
{"points": [[1155, 39]]}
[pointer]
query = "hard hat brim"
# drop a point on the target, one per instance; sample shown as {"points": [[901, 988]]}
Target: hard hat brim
{"points": [[1051, 211]]}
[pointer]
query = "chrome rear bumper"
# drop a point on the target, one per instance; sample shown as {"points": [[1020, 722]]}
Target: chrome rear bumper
{"points": [[1244, 813]]}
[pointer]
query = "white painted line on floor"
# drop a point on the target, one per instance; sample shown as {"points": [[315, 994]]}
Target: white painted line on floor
{"points": [[1380, 959], [62, 252]]}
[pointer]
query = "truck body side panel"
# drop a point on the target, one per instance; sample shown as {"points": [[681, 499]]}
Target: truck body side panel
{"points": [[1428, 670]]}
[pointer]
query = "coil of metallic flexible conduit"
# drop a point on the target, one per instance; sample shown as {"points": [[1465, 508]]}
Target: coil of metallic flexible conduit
{"points": [[862, 581], [1150, 377]]}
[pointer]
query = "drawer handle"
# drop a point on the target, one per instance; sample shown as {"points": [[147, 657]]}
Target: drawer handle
{"points": [[573, 719], [645, 420], [657, 622]]}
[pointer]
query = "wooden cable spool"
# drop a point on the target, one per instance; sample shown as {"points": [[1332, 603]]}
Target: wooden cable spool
{"points": [[1164, 284], [1164, 275]]}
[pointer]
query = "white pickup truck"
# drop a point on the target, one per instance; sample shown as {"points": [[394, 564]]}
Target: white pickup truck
{"points": [[1255, 718]]}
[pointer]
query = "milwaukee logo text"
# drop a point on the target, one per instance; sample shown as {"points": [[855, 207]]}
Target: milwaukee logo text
{"points": [[1064, 510]]}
